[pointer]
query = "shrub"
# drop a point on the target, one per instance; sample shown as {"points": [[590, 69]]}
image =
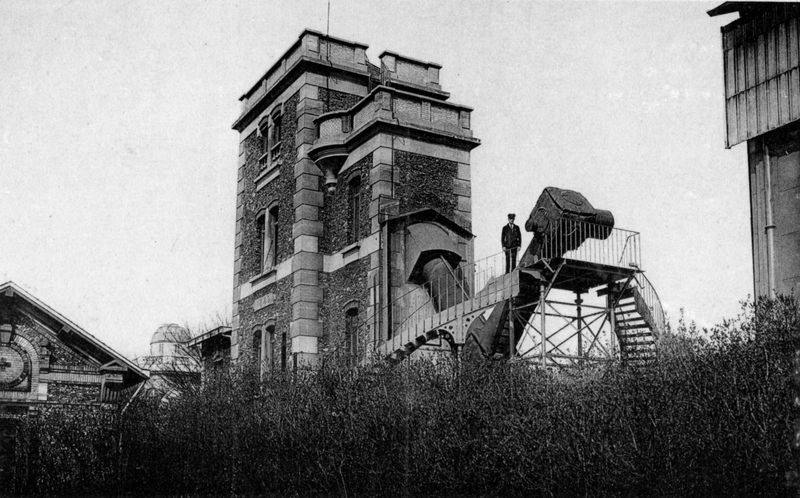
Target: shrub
{"points": [[711, 417]]}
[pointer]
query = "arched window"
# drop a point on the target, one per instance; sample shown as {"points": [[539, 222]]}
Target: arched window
{"points": [[351, 332], [257, 350], [266, 362], [354, 209]]}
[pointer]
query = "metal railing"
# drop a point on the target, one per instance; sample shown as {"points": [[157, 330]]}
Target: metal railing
{"points": [[590, 242], [473, 286], [440, 295], [651, 303]]}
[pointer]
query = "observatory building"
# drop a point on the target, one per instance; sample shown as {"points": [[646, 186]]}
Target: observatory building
{"points": [[169, 363], [337, 157], [761, 57], [354, 231]]}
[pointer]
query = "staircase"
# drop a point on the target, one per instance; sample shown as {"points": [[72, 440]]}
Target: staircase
{"points": [[638, 321], [452, 323], [492, 337]]}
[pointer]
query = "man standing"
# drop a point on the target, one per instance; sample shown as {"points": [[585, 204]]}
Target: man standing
{"points": [[511, 240]]}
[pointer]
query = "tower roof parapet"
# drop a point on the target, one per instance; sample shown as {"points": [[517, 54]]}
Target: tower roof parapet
{"points": [[331, 54]]}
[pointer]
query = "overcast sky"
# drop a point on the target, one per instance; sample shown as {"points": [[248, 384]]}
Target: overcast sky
{"points": [[118, 162]]}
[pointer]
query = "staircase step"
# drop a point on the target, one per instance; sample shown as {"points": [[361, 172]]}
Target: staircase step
{"points": [[628, 293], [642, 334], [640, 357], [633, 329], [640, 353]]}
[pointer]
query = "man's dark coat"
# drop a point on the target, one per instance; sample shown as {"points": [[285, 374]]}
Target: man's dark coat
{"points": [[511, 238]]}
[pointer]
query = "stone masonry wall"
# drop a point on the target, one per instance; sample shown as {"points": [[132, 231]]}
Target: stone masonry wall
{"points": [[337, 229], [73, 393], [340, 288], [281, 311], [60, 355], [333, 100], [280, 189], [426, 182]]}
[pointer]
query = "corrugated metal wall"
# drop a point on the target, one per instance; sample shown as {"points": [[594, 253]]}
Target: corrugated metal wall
{"points": [[762, 72]]}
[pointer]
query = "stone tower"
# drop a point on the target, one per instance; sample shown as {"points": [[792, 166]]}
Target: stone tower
{"points": [[353, 187]]}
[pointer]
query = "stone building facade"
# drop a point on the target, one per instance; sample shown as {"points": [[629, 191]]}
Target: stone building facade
{"points": [[45, 359], [761, 56], [341, 164]]}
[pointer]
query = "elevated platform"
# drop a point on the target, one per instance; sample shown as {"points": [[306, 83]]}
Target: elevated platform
{"points": [[515, 315], [581, 276]]}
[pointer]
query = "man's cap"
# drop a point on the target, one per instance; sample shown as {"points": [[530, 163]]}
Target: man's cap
{"points": [[512, 215]]}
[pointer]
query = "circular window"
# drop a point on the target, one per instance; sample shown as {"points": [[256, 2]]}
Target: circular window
{"points": [[15, 365]]}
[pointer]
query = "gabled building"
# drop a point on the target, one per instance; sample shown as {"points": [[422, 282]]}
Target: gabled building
{"points": [[46, 359]]}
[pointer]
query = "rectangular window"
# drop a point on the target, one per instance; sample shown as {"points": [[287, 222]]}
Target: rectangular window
{"points": [[262, 242], [275, 134], [271, 251], [354, 205]]}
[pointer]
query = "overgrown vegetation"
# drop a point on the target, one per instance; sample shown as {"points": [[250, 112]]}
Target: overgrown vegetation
{"points": [[712, 418]]}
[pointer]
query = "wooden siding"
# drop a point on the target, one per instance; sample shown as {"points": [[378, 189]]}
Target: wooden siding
{"points": [[761, 57]]}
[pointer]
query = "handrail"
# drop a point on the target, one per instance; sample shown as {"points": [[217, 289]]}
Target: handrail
{"points": [[592, 243], [652, 301], [572, 239], [474, 275]]}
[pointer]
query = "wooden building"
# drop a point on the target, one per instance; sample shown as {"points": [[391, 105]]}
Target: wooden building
{"points": [[761, 56]]}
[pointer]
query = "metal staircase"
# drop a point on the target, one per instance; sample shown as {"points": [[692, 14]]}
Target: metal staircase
{"points": [[637, 323], [545, 329]]}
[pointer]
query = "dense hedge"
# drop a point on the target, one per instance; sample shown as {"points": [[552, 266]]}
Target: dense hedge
{"points": [[712, 418]]}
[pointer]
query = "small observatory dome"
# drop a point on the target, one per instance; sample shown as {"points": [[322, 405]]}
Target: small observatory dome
{"points": [[168, 340]]}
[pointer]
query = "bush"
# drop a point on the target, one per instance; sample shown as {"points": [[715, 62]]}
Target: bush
{"points": [[711, 418]]}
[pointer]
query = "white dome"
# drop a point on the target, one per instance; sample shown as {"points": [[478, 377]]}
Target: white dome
{"points": [[171, 332]]}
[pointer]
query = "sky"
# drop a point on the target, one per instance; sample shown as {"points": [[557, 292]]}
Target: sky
{"points": [[118, 161]]}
